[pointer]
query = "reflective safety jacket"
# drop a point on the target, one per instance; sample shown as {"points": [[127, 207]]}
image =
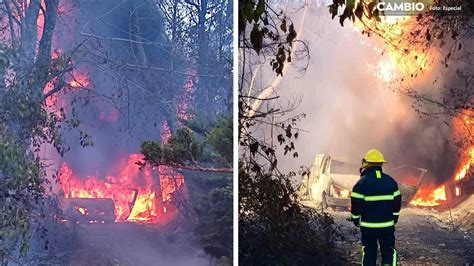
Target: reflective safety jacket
{"points": [[375, 199]]}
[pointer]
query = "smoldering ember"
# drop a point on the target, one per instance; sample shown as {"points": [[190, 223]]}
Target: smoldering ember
{"points": [[321, 93], [116, 132]]}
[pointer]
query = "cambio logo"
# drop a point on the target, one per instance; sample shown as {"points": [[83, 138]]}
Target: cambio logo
{"points": [[400, 7], [382, 6]]}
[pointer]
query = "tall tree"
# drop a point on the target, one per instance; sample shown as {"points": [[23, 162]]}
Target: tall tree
{"points": [[274, 228], [25, 123]]}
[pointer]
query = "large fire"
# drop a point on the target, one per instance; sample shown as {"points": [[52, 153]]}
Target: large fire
{"points": [[399, 62], [137, 195], [434, 197], [143, 195], [429, 197]]}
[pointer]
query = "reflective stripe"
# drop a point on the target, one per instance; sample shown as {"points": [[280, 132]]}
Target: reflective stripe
{"points": [[371, 198], [363, 255], [378, 198], [378, 174], [377, 225], [396, 193], [355, 216], [396, 213], [357, 195], [394, 260]]}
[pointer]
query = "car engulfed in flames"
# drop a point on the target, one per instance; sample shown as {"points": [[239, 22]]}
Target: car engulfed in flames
{"points": [[147, 195], [88, 210], [330, 182]]}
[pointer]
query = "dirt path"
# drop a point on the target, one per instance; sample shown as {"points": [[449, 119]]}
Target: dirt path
{"points": [[124, 244], [423, 237]]}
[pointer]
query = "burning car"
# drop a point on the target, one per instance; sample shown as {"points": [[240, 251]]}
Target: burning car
{"points": [[330, 182], [89, 210]]}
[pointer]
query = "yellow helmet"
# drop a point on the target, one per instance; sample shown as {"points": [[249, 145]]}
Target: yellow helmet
{"points": [[374, 156]]}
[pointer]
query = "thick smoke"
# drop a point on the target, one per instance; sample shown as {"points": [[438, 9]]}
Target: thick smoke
{"points": [[118, 113], [115, 109], [350, 110]]}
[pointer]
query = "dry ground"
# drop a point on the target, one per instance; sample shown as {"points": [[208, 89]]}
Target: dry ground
{"points": [[423, 236], [123, 244]]}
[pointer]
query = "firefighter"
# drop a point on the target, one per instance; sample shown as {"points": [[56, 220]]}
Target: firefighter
{"points": [[375, 208]]}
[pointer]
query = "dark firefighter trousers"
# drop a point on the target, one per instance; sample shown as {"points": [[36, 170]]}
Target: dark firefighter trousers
{"points": [[386, 239]]}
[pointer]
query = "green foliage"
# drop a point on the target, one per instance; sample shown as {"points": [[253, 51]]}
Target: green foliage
{"points": [[220, 138], [20, 181], [269, 30], [24, 127], [182, 149], [184, 146], [351, 10], [215, 220], [274, 229], [213, 209]]}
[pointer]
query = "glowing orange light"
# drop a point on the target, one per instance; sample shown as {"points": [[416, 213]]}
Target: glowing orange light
{"points": [[83, 211], [79, 81], [427, 197], [121, 188], [465, 167], [344, 194], [397, 62]]}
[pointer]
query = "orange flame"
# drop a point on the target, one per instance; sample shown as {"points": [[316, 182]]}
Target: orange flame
{"points": [[397, 62], [344, 194], [83, 211], [464, 127], [121, 189], [183, 102], [428, 197], [465, 167], [79, 80]]}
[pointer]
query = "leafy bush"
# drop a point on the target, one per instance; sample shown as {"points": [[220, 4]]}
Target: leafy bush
{"points": [[274, 229]]}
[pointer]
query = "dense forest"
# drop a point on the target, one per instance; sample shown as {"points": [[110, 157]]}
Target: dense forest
{"points": [[88, 84]]}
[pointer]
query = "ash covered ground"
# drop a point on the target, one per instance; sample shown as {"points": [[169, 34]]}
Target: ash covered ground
{"points": [[122, 244], [423, 236]]}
